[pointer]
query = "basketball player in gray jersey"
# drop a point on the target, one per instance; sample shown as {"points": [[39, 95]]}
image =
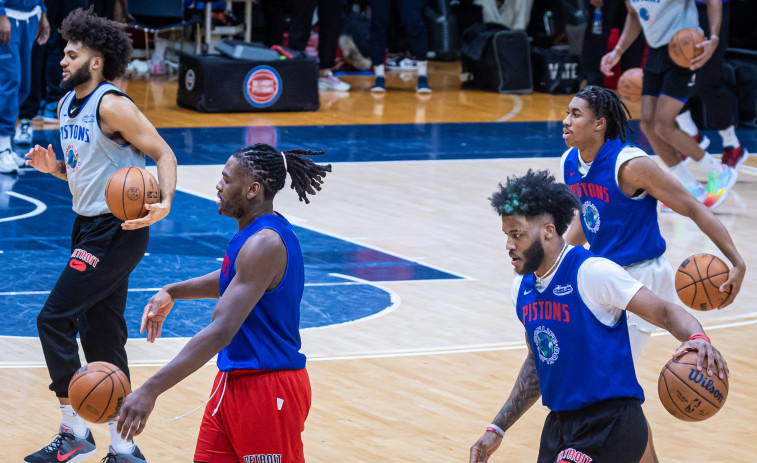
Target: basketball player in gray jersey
{"points": [[667, 87], [101, 131]]}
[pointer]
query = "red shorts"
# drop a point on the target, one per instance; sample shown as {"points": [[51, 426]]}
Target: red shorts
{"points": [[260, 418]]}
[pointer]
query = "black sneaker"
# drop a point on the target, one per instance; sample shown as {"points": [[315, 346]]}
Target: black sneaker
{"points": [[65, 448], [133, 457]]}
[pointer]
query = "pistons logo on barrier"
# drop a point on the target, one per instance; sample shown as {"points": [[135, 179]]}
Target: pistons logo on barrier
{"points": [[262, 86]]}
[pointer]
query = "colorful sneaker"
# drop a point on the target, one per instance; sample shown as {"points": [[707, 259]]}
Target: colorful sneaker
{"points": [[379, 86], [697, 190], [718, 186], [65, 448], [331, 82], [422, 86], [734, 157], [8, 163], [50, 114], [133, 457], [24, 131]]}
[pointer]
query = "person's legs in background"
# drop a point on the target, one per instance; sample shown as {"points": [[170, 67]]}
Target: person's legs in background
{"points": [[329, 29], [379, 22], [412, 18]]}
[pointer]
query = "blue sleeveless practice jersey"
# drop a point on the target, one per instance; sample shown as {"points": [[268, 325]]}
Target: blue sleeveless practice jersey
{"points": [[579, 360], [617, 227], [269, 338]]}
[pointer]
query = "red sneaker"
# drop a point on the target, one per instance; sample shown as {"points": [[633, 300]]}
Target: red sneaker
{"points": [[734, 157]]}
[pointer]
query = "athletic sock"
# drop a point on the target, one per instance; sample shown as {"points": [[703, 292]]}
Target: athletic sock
{"points": [[682, 173], [118, 444], [729, 137], [70, 419], [379, 70], [710, 164], [422, 68], [686, 123]]}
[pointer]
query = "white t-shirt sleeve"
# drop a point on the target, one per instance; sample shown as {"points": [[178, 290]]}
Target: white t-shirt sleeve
{"points": [[514, 289], [606, 288], [562, 164]]}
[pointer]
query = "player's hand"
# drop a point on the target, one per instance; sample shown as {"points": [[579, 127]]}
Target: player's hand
{"points": [[484, 447], [43, 29], [42, 159], [155, 212], [609, 61], [708, 49], [155, 313], [133, 415], [5, 30], [735, 278], [705, 350]]}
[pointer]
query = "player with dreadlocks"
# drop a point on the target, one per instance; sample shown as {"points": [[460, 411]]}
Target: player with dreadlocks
{"points": [[618, 186], [261, 394], [573, 306]]}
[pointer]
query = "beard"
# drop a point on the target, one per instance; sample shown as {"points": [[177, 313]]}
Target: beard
{"points": [[532, 258], [79, 77], [229, 209]]}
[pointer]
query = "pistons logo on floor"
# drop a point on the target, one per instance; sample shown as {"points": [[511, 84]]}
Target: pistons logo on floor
{"points": [[262, 86]]}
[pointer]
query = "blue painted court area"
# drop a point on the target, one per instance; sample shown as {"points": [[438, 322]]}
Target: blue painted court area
{"points": [[340, 275], [387, 142]]}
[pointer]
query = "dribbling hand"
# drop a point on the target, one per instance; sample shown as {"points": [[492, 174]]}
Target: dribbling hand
{"points": [[484, 447], [155, 313], [42, 159], [156, 212]]}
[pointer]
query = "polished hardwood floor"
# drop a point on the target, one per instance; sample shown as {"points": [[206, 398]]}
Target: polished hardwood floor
{"points": [[422, 382]]}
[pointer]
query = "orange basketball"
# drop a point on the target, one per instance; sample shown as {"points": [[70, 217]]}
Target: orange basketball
{"points": [[698, 281], [629, 85], [690, 394], [128, 191], [683, 46], [97, 391]]}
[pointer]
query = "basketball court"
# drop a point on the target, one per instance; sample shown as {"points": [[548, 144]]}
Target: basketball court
{"points": [[407, 321]]}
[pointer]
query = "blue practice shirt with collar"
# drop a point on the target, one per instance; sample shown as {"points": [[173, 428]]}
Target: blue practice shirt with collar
{"points": [[580, 360], [269, 338], [617, 227]]}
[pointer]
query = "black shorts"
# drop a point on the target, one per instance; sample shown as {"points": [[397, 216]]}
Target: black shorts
{"points": [[664, 77], [610, 431]]}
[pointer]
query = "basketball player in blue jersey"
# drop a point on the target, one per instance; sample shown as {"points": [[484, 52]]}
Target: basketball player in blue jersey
{"points": [[101, 131], [667, 87], [261, 395], [618, 186], [573, 306]]}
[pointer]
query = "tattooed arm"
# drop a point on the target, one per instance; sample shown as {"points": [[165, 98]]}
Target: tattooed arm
{"points": [[524, 394]]}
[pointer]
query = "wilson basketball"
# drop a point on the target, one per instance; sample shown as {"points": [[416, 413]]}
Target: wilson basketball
{"points": [[683, 46], [97, 391], [690, 394], [698, 281], [629, 85], [128, 191]]}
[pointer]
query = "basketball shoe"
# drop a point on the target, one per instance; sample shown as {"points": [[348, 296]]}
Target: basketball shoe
{"points": [[718, 186], [422, 85], [379, 86], [24, 132], [65, 448], [8, 163], [697, 190], [133, 457], [734, 157]]}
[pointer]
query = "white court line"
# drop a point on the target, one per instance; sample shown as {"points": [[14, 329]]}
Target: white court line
{"points": [[40, 207], [517, 106], [384, 354]]}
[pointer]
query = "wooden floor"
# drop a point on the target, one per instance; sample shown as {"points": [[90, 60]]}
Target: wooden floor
{"points": [[422, 382]]}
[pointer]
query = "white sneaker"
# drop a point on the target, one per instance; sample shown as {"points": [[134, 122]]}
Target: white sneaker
{"points": [[8, 164], [332, 83], [24, 132]]}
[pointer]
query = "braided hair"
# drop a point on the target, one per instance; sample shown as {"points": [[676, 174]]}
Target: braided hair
{"points": [[265, 164], [605, 103], [536, 194]]}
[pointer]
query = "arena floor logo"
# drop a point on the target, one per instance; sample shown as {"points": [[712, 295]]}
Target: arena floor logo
{"points": [[262, 86]]}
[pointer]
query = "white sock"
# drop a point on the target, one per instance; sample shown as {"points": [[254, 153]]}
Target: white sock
{"points": [[422, 68], [686, 123], [379, 70], [5, 142], [72, 420], [710, 164], [118, 444], [682, 173], [729, 137], [160, 50]]}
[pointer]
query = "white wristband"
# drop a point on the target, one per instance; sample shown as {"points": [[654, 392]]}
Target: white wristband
{"points": [[496, 430]]}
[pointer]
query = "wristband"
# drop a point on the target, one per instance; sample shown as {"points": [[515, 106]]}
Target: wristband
{"points": [[700, 336], [496, 430]]}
